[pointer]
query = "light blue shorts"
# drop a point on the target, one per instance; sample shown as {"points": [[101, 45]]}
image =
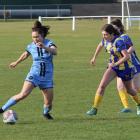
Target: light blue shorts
{"points": [[41, 82]]}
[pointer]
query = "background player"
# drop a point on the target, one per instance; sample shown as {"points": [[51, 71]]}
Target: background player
{"points": [[119, 65]]}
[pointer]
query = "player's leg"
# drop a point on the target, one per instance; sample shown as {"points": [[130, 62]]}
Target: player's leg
{"points": [[136, 82], [123, 95], [48, 98], [108, 76], [26, 90], [133, 93]]}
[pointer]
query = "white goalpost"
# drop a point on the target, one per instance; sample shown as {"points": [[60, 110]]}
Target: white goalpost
{"points": [[128, 12], [74, 18], [129, 18]]}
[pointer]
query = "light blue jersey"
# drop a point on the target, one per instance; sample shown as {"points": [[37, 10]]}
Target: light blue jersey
{"points": [[41, 72]]}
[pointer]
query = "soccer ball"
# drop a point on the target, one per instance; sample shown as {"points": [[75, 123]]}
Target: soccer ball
{"points": [[10, 117]]}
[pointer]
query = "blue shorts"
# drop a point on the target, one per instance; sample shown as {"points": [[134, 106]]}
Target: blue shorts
{"points": [[137, 69], [41, 82], [126, 74]]}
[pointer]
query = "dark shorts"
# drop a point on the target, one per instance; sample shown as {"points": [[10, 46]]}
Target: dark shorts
{"points": [[125, 75]]}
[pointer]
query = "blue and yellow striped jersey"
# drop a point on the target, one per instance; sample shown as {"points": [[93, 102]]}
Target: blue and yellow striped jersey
{"points": [[107, 45], [128, 42], [114, 48]]}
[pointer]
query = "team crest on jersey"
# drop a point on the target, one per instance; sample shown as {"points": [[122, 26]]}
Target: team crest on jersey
{"points": [[30, 77]]}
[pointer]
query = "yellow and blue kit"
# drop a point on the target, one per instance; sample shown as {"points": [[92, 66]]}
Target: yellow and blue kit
{"points": [[135, 60], [125, 70]]}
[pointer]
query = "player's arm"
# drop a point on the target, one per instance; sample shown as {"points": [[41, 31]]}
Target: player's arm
{"points": [[51, 49], [121, 47], [129, 43], [98, 50], [123, 59], [20, 59], [131, 49]]}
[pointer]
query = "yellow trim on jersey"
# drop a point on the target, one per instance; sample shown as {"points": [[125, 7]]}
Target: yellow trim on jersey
{"points": [[119, 56]]}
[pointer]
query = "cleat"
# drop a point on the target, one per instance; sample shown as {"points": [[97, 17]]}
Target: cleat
{"points": [[126, 110], [92, 111], [138, 109], [48, 116], [1, 110]]}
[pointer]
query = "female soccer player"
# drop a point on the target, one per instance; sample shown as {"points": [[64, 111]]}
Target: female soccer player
{"points": [[119, 66], [135, 61], [41, 72], [122, 93]]}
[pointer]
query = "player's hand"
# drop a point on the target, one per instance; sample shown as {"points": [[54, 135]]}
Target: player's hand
{"points": [[40, 45], [92, 61], [13, 65]]}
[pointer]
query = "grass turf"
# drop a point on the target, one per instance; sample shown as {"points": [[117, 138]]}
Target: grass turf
{"points": [[75, 85]]}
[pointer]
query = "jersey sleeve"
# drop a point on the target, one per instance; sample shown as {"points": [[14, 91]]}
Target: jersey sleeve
{"points": [[28, 49], [120, 45], [102, 42], [128, 41], [50, 43], [106, 45]]}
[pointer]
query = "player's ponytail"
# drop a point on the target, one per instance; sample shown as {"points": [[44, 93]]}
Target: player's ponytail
{"points": [[37, 24], [46, 30], [117, 22], [43, 30]]}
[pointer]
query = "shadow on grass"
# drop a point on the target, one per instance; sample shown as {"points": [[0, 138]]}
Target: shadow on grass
{"points": [[26, 122], [82, 119], [96, 118]]}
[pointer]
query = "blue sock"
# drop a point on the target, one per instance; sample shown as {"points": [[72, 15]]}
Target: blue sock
{"points": [[8, 104], [46, 110]]}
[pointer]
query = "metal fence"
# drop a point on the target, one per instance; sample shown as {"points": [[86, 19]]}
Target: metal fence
{"points": [[33, 11]]}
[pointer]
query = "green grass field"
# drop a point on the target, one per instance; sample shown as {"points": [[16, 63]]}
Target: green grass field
{"points": [[75, 85]]}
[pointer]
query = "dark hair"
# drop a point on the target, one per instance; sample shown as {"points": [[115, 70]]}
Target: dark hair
{"points": [[43, 30], [110, 29], [117, 22]]}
